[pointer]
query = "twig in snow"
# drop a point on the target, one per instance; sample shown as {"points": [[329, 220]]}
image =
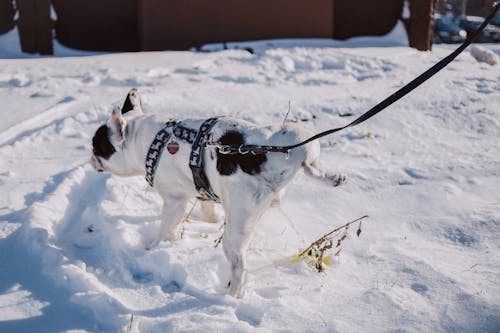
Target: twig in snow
{"points": [[287, 113], [186, 219], [129, 327], [218, 240]]}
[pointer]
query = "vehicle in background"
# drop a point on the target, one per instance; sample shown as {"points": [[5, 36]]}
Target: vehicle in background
{"points": [[447, 31], [496, 19], [490, 34]]}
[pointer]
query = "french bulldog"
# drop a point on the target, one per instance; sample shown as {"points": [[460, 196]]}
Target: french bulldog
{"points": [[245, 185]]}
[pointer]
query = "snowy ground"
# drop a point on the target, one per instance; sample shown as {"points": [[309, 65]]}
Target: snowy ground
{"points": [[426, 171]]}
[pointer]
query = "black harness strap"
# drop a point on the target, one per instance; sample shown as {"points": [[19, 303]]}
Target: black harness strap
{"points": [[156, 150], [184, 133], [258, 149], [174, 129], [196, 161]]}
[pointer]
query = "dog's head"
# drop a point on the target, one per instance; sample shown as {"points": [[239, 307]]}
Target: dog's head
{"points": [[109, 140]]}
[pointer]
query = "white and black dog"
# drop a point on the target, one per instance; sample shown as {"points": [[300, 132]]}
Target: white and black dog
{"points": [[132, 143]]}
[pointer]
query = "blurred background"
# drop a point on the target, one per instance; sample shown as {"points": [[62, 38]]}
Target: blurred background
{"points": [[455, 19], [144, 25]]}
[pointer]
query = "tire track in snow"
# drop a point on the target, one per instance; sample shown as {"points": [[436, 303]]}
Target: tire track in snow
{"points": [[53, 115], [42, 232], [101, 271]]}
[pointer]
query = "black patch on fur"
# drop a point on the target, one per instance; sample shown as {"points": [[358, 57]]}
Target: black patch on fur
{"points": [[228, 164], [101, 144], [127, 105]]}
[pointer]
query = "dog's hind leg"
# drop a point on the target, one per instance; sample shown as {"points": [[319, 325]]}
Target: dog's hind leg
{"points": [[171, 216], [241, 220]]}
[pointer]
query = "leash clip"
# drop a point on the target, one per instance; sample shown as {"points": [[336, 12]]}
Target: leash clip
{"points": [[223, 149], [242, 152]]}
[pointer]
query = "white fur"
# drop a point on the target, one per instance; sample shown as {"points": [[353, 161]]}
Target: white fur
{"points": [[244, 197]]}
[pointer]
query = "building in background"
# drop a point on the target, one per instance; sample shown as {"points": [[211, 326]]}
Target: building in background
{"points": [[134, 25]]}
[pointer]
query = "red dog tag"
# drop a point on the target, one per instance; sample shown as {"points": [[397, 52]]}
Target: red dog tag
{"points": [[173, 147]]}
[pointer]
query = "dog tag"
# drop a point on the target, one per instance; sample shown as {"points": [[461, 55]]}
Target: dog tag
{"points": [[172, 147]]}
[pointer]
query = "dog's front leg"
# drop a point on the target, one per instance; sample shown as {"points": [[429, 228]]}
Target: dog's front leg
{"points": [[171, 216]]}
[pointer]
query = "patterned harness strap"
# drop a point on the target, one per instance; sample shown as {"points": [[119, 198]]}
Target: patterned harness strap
{"points": [[196, 161], [156, 150], [173, 129]]}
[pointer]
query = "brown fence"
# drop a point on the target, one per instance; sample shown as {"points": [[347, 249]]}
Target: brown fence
{"points": [[131, 25], [6, 16]]}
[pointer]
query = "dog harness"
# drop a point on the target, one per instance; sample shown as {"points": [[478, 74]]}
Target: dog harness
{"points": [[174, 129]]}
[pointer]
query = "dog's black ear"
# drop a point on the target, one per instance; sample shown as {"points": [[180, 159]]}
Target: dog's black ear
{"points": [[132, 102]]}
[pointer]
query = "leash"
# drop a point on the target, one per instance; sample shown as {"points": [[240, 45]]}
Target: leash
{"points": [[259, 149]]}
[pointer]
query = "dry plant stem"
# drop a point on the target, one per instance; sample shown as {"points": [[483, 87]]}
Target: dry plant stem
{"points": [[325, 236], [218, 240], [186, 219], [287, 113], [290, 222]]}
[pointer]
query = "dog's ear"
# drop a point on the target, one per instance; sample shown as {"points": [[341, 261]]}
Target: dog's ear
{"points": [[132, 102], [117, 124]]}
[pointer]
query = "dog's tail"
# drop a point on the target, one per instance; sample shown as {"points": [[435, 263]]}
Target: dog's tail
{"points": [[328, 177]]}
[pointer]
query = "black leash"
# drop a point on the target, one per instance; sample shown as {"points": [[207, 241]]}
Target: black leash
{"points": [[258, 149]]}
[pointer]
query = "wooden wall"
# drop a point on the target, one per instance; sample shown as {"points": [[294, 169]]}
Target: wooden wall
{"points": [[35, 26], [180, 24], [6, 16], [97, 25], [131, 25], [359, 18]]}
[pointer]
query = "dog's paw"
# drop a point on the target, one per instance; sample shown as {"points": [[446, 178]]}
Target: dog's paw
{"points": [[235, 290], [336, 179], [151, 245]]}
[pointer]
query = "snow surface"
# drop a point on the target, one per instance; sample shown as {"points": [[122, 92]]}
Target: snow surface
{"points": [[426, 171]]}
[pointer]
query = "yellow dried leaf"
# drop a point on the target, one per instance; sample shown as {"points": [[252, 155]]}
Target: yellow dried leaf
{"points": [[326, 261]]}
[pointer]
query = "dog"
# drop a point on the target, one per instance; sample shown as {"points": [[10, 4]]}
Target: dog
{"points": [[244, 184]]}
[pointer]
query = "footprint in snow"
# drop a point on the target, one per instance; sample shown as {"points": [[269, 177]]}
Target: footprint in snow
{"points": [[457, 235], [249, 313], [172, 287], [413, 173], [142, 277], [419, 288], [269, 292]]}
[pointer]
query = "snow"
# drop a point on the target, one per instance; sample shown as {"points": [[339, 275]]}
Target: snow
{"points": [[426, 171]]}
